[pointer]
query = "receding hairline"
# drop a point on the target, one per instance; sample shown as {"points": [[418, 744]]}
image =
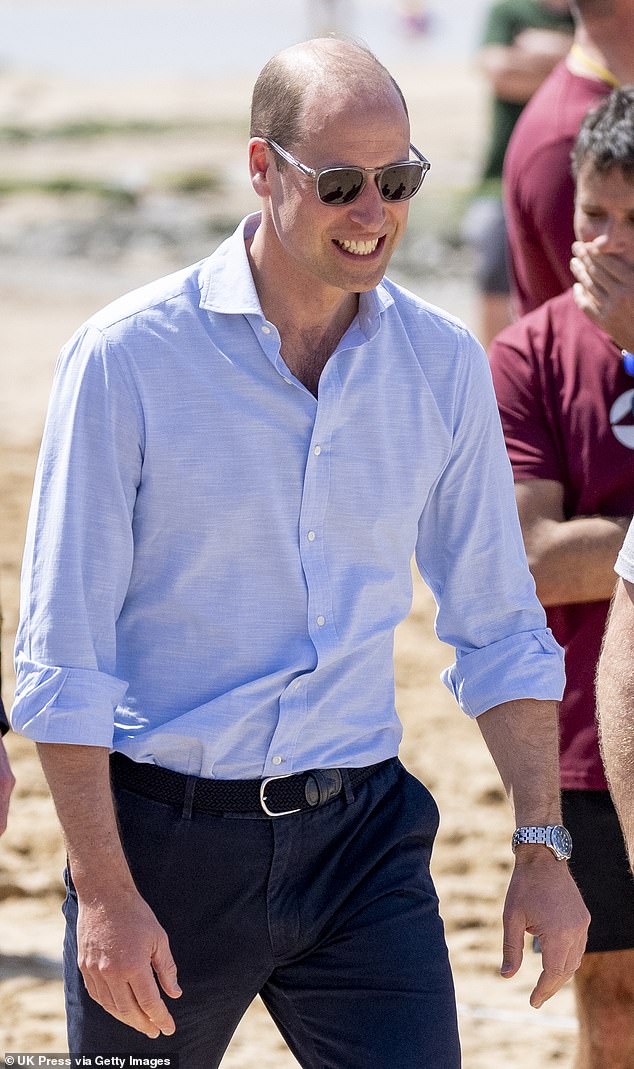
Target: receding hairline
{"points": [[330, 62], [324, 57]]}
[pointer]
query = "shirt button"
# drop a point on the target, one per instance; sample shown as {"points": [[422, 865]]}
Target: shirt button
{"points": [[317, 450], [311, 536], [321, 620], [289, 381], [265, 329], [277, 760]]}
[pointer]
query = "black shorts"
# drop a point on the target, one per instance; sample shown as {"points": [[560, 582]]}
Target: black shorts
{"points": [[600, 868], [483, 227]]}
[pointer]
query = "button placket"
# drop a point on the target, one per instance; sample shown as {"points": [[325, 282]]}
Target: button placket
{"points": [[315, 496], [314, 536], [292, 710]]}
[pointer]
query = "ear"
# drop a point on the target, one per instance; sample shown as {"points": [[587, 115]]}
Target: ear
{"points": [[260, 161]]}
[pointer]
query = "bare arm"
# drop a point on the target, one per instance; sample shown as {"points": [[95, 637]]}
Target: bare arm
{"points": [[615, 696], [572, 561], [7, 783], [516, 71], [119, 939], [522, 737]]}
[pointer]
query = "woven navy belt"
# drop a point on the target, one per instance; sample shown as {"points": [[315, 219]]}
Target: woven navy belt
{"points": [[277, 796]]}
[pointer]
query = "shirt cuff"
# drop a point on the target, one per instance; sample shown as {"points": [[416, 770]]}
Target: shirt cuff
{"points": [[624, 567], [65, 705], [528, 665]]}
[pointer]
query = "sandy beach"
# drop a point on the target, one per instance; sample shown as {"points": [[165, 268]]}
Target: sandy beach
{"points": [[63, 256]]}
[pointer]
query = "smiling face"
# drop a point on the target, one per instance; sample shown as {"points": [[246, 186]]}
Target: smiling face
{"points": [[604, 210], [332, 248]]}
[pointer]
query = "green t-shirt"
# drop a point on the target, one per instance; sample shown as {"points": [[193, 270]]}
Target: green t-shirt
{"points": [[505, 21]]}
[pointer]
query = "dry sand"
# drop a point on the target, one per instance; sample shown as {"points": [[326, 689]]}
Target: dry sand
{"points": [[42, 299]]}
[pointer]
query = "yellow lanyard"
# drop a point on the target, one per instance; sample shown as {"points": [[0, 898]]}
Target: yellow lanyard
{"points": [[590, 64]]}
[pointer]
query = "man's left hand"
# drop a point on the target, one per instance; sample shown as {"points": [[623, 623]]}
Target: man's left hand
{"points": [[543, 900], [604, 289]]}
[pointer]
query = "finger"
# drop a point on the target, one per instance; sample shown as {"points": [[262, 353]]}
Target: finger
{"points": [[602, 265], [548, 984], [147, 997], [556, 971], [585, 303], [597, 282], [581, 273], [574, 959], [610, 267], [512, 947], [165, 969], [127, 1009], [93, 989], [593, 248], [117, 1000]]}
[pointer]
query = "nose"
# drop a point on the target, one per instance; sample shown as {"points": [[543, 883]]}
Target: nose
{"points": [[614, 236], [369, 207]]}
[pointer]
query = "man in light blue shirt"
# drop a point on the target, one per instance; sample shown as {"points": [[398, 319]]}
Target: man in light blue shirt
{"points": [[238, 464]]}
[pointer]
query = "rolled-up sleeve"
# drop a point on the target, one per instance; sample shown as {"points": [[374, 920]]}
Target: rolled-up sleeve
{"points": [[470, 552], [625, 560], [79, 549]]}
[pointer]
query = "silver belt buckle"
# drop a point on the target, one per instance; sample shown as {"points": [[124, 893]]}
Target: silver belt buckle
{"points": [[264, 784]]}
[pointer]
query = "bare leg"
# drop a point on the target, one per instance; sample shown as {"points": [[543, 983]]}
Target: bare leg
{"points": [[604, 993]]}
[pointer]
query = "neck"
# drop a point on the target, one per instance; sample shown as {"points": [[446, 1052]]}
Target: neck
{"points": [[611, 51], [295, 304]]}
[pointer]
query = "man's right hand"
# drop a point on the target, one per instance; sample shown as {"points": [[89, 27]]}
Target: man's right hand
{"points": [[120, 948], [604, 289]]}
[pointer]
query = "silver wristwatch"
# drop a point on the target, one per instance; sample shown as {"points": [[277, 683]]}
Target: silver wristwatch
{"points": [[554, 836]]}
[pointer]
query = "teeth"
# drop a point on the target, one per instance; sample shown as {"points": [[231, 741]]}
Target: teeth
{"points": [[359, 248]]}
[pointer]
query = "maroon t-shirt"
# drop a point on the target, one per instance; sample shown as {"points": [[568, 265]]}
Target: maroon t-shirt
{"points": [[567, 411], [538, 186]]}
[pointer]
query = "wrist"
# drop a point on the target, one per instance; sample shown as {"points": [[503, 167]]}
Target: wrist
{"points": [[97, 882], [533, 854], [549, 838]]}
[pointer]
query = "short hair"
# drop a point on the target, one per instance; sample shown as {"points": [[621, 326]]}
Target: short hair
{"points": [[280, 89], [606, 137]]}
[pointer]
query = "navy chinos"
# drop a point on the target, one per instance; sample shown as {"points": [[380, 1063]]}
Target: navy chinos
{"points": [[330, 915]]}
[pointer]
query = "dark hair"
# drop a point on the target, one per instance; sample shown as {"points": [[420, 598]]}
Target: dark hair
{"points": [[606, 137], [279, 91]]}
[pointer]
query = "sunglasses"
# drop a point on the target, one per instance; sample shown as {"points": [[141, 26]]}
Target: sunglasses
{"points": [[342, 185]]}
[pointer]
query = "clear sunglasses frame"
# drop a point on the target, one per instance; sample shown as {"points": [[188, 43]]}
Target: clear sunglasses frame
{"points": [[365, 172]]}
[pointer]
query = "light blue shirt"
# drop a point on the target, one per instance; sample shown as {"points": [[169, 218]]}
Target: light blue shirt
{"points": [[625, 560], [216, 560]]}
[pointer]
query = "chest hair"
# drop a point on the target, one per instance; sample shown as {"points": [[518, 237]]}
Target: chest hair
{"points": [[306, 353]]}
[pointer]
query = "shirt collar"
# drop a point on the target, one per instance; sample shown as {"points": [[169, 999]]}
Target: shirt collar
{"points": [[228, 286], [227, 282]]}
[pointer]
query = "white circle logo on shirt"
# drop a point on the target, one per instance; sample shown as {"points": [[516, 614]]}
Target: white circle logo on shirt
{"points": [[622, 419]]}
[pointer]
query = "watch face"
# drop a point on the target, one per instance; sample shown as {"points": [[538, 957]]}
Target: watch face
{"points": [[562, 840]]}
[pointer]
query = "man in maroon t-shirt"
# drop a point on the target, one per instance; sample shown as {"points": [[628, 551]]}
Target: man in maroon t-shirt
{"points": [[567, 407], [538, 187]]}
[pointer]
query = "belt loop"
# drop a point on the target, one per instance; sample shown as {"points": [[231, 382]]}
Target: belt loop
{"points": [[348, 792], [188, 799]]}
